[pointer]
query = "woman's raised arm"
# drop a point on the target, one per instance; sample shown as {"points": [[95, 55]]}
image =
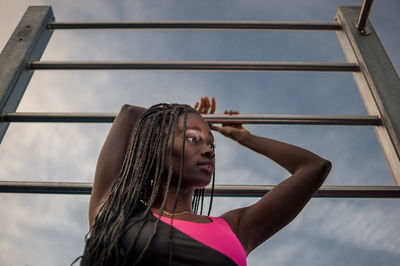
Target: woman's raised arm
{"points": [[256, 223], [111, 157]]}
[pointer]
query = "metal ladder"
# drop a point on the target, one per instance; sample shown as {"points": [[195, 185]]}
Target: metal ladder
{"points": [[376, 78]]}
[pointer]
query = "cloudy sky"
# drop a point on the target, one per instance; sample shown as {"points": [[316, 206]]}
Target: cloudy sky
{"points": [[49, 229]]}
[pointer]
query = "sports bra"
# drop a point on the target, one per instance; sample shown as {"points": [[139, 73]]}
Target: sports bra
{"points": [[212, 243]]}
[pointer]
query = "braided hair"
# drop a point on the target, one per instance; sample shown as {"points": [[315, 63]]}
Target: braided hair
{"points": [[148, 161]]}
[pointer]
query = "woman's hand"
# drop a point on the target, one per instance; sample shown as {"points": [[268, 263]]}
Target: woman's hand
{"points": [[232, 130], [205, 106]]}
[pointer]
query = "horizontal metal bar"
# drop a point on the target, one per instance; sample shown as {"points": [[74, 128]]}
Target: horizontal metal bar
{"points": [[58, 117], [45, 187], [338, 120], [323, 192], [198, 25], [219, 191], [195, 66]]}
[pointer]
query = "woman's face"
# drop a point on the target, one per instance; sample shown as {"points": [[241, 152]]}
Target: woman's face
{"points": [[199, 157]]}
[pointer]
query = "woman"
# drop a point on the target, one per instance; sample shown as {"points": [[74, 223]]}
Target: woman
{"points": [[149, 185]]}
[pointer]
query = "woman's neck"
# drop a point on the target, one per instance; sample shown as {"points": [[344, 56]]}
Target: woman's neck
{"points": [[183, 203]]}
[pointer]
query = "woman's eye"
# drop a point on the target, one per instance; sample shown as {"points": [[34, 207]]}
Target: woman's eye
{"points": [[212, 146], [192, 139]]}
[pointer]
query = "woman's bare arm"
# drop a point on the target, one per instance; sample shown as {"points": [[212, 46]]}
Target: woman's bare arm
{"points": [[111, 157], [256, 223]]}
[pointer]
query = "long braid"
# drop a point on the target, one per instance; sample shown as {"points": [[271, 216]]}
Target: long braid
{"points": [[212, 193], [202, 200], [139, 183], [172, 127]]}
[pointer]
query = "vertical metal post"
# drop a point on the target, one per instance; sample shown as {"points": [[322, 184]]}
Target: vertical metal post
{"points": [[363, 18], [378, 82], [27, 43]]}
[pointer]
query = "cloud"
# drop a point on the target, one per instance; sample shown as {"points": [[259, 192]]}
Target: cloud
{"points": [[367, 224], [327, 231], [38, 226], [331, 232]]}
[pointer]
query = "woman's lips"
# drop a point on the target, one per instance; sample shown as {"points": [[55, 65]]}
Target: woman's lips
{"points": [[207, 167]]}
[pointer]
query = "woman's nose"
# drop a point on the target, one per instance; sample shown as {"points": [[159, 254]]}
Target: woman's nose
{"points": [[209, 152]]}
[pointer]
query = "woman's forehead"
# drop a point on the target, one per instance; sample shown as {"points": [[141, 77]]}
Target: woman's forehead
{"points": [[194, 121]]}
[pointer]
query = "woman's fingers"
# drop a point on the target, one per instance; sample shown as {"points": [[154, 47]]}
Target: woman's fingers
{"points": [[214, 127], [213, 105], [230, 112], [205, 106]]}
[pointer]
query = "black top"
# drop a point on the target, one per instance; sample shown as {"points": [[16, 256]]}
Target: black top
{"points": [[185, 249]]}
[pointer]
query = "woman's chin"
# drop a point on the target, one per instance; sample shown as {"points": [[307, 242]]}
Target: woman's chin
{"points": [[203, 183]]}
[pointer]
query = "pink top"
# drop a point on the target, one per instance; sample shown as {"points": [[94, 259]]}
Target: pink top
{"points": [[217, 235]]}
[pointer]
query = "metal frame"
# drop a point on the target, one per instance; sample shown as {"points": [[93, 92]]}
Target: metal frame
{"points": [[363, 18], [27, 43], [378, 82], [196, 66], [374, 74], [196, 25], [264, 119], [219, 190]]}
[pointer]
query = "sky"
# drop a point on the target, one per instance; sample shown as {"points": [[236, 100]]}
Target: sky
{"points": [[50, 229]]}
